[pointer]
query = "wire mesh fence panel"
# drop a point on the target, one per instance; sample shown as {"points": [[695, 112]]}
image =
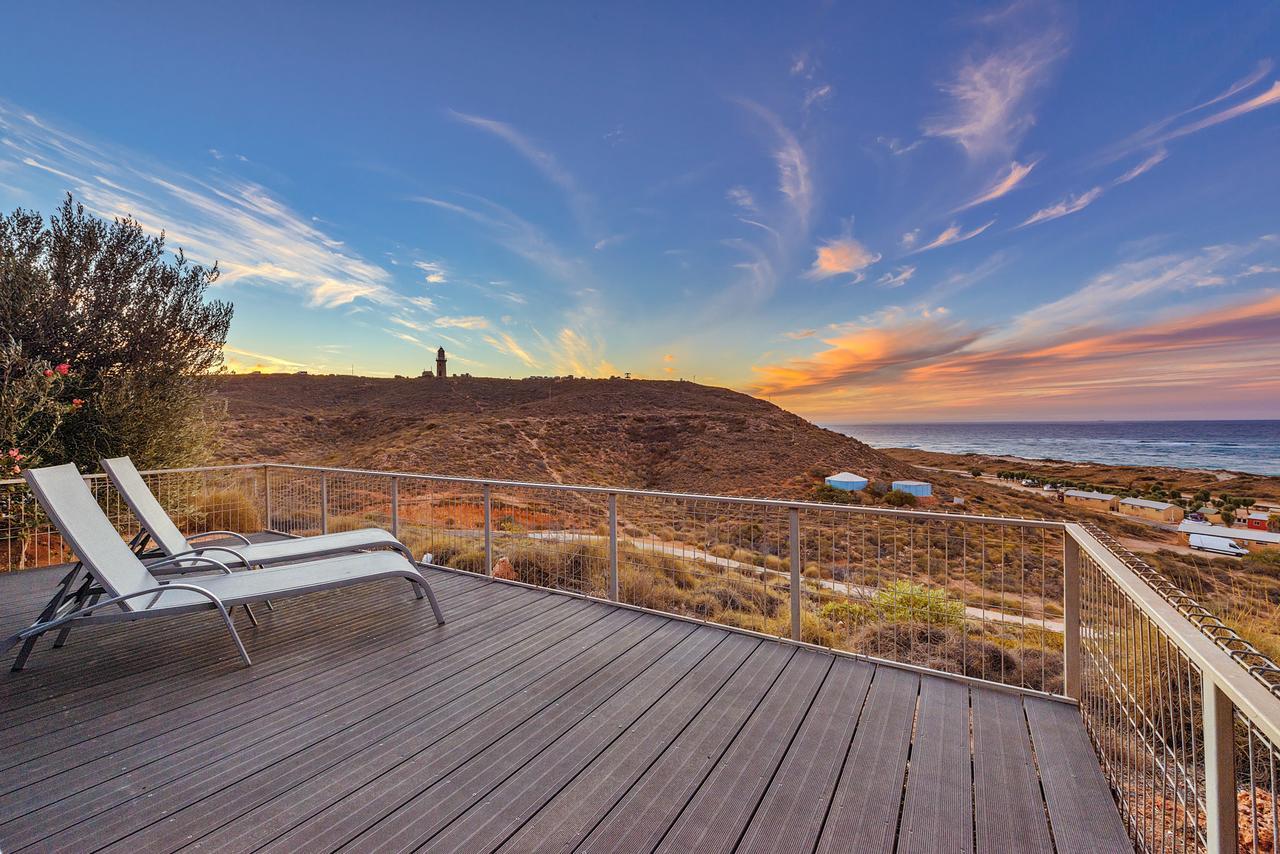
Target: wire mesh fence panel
{"points": [[1256, 761], [355, 500], [444, 519], [552, 538], [203, 500], [980, 599], [1141, 702], [718, 561], [296, 501]]}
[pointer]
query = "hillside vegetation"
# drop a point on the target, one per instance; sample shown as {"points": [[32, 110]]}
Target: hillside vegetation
{"points": [[651, 434]]}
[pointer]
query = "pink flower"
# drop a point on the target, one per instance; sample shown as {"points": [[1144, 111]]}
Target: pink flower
{"points": [[63, 368], [48, 373], [76, 403], [14, 453], [16, 470]]}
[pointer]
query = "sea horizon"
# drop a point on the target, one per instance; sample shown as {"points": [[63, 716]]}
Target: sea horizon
{"points": [[1243, 445]]}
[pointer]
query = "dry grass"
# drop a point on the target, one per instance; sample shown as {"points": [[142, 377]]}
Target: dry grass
{"points": [[225, 510]]}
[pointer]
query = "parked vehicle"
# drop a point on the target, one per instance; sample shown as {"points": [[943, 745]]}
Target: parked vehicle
{"points": [[1217, 545]]}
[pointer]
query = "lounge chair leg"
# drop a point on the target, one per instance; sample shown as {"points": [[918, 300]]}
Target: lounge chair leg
{"points": [[270, 607], [252, 618], [431, 597], [24, 653], [81, 601], [226, 618]]}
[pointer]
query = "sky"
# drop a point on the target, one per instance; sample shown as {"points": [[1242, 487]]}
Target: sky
{"points": [[861, 212]]}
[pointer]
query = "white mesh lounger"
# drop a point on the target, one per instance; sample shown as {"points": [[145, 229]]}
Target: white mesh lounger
{"points": [[134, 593], [171, 541]]}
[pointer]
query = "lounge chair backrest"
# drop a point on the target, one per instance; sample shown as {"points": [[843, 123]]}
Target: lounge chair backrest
{"points": [[142, 501], [74, 511]]}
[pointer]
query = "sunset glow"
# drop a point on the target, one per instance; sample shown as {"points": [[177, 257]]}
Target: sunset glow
{"points": [[861, 214]]}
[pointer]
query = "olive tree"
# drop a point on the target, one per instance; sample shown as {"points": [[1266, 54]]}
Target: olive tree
{"points": [[133, 321]]}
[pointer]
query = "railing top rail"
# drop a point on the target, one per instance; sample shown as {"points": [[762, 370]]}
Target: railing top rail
{"points": [[1251, 696], [97, 475], [688, 496]]}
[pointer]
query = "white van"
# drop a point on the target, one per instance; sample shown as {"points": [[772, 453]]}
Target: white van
{"points": [[1217, 545]]}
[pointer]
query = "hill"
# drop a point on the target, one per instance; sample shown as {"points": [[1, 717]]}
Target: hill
{"points": [[648, 434]]}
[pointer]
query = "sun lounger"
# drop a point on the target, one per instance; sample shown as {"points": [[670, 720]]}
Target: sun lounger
{"points": [[134, 593], [172, 543]]}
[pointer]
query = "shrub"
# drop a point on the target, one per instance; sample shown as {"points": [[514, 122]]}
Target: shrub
{"points": [[830, 495], [898, 498], [906, 602], [954, 650], [1262, 560], [845, 613], [108, 296], [226, 510], [738, 594]]}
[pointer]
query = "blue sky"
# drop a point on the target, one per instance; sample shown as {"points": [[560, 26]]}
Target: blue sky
{"points": [[870, 212]]}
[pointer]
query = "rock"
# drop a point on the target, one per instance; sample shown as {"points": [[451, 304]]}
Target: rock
{"points": [[504, 569]]}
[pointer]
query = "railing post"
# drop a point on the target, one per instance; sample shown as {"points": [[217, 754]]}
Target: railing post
{"points": [[795, 573], [1072, 667], [395, 506], [324, 502], [613, 547], [488, 531], [1219, 767], [266, 476]]}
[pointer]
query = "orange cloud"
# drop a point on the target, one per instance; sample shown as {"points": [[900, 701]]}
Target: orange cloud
{"points": [[841, 256], [1201, 361]]}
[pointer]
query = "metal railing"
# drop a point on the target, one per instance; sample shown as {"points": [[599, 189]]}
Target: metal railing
{"points": [[1183, 714]]}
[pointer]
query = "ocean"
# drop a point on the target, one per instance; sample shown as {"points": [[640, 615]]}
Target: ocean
{"points": [[1249, 446]]}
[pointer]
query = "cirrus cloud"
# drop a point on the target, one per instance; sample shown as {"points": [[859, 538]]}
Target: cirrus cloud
{"points": [[954, 234]]}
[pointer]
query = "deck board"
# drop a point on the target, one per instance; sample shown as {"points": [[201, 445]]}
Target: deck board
{"points": [[793, 810], [937, 812], [719, 811], [1080, 809], [530, 721], [865, 808], [1009, 811]]}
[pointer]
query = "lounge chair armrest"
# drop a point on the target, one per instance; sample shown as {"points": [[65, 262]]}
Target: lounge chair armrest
{"points": [[245, 541], [184, 557], [40, 628]]}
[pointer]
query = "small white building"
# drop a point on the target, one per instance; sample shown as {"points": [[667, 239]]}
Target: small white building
{"points": [[848, 481]]}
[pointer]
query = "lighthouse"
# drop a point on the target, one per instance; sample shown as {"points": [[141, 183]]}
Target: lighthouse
{"points": [[440, 363]]}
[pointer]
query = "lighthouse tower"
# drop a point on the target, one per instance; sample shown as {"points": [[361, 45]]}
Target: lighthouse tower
{"points": [[440, 363]]}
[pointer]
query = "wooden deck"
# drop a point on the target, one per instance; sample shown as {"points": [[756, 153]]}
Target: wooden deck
{"points": [[532, 721]]}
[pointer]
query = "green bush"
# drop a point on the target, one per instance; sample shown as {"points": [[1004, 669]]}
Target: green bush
{"points": [[1263, 560], [898, 498], [848, 613], [830, 495], [906, 602]]}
